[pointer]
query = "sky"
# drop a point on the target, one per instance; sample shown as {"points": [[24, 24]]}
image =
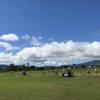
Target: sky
{"points": [[49, 32]]}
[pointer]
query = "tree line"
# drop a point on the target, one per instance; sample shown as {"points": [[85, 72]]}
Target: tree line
{"points": [[13, 67]]}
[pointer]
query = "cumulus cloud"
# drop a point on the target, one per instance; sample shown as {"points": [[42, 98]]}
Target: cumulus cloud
{"points": [[7, 46], [56, 53], [5, 58], [9, 37], [8, 58]]}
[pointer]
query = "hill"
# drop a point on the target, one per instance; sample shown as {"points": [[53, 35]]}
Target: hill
{"points": [[94, 62]]}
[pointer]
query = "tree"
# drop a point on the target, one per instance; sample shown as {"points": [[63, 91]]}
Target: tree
{"points": [[12, 67]]}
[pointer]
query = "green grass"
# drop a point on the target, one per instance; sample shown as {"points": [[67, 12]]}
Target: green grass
{"points": [[36, 86]]}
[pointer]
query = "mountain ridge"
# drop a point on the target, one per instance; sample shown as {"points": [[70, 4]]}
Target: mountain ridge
{"points": [[92, 62]]}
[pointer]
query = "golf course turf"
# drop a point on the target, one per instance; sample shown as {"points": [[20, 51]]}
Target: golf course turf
{"points": [[36, 86]]}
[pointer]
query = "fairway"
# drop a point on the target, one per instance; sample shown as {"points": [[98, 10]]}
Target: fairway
{"points": [[36, 86]]}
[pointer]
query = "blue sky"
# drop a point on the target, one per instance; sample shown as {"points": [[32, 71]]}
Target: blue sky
{"points": [[59, 19], [45, 30]]}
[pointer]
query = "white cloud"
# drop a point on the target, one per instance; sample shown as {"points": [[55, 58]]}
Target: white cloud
{"points": [[9, 37], [56, 53], [5, 58], [7, 46], [25, 37], [61, 53], [8, 58], [36, 41]]}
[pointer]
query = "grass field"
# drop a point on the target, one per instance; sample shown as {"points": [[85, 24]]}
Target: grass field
{"points": [[36, 86]]}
